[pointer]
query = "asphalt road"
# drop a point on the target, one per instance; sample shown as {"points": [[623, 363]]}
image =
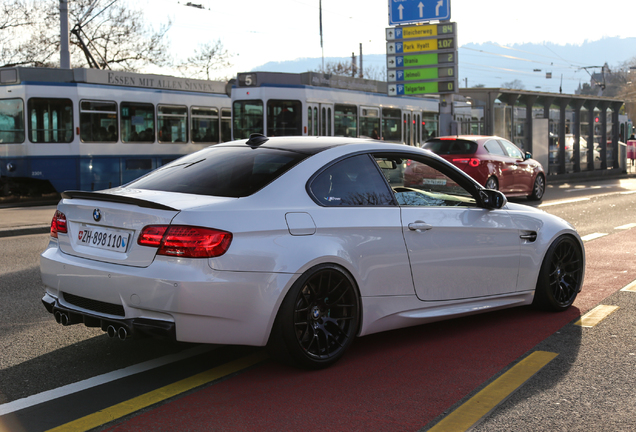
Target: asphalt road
{"points": [[589, 385]]}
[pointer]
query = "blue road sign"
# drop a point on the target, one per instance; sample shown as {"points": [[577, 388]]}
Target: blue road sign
{"points": [[408, 11]]}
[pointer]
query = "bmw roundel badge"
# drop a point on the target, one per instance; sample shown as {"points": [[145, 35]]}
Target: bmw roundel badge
{"points": [[97, 215]]}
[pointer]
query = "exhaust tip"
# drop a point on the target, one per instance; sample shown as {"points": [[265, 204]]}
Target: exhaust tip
{"points": [[64, 319], [58, 317], [122, 333], [111, 331]]}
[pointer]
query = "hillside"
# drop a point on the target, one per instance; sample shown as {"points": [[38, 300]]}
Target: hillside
{"points": [[493, 65]]}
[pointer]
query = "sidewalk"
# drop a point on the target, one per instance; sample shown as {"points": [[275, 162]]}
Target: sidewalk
{"points": [[16, 221]]}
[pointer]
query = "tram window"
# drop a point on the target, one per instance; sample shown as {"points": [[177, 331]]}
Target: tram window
{"points": [[137, 122], [324, 122], [370, 122], [309, 122], [11, 121], [315, 121], [205, 125], [98, 121], [248, 118], [173, 124], [392, 124], [345, 120], [226, 124], [284, 118], [50, 120]]}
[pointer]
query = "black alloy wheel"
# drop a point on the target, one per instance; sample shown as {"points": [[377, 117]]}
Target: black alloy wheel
{"points": [[561, 275], [318, 319]]}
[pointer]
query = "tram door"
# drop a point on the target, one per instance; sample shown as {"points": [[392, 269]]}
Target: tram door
{"points": [[412, 130], [323, 122]]}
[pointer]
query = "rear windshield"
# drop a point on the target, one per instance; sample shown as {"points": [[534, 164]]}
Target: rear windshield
{"points": [[221, 171], [450, 147]]}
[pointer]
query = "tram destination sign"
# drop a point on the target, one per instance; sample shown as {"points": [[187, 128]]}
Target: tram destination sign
{"points": [[433, 87]]}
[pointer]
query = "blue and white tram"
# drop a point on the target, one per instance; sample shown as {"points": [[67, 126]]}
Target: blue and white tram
{"points": [[315, 104], [91, 129]]}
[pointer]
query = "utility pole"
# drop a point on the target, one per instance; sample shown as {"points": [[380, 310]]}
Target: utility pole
{"points": [[65, 56], [361, 71]]}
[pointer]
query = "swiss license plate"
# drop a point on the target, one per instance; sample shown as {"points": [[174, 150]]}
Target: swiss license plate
{"points": [[103, 238]]}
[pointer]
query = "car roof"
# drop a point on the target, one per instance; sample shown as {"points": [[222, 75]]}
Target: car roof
{"points": [[466, 137], [299, 144]]}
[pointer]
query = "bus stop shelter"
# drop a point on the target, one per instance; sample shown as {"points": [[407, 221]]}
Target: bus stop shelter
{"points": [[566, 133]]}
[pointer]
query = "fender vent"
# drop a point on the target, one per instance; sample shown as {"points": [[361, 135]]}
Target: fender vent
{"points": [[94, 305]]}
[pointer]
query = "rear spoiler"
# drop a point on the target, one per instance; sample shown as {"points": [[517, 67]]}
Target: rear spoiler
{"points": [[98, 196]]}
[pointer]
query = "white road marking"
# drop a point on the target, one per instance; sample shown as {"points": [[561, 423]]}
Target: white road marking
{"points": [[99, 380], [593, 236], [626, 226], [630, 287], [564, 202]]}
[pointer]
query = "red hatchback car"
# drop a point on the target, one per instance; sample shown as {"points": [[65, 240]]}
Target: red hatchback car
{"points": [[494, 162]]}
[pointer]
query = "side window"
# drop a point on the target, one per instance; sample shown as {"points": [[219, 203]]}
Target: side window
{"points": [[352, 182], [205, 125], [50, 120], [98, 121], [284, 118], [418, 182], [173, 124], [512, 149], [493, 147], [345, 120], [137, 122], [11, 121]]}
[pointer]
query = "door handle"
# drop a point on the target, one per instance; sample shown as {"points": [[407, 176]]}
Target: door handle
{"points": [[420, 226]]}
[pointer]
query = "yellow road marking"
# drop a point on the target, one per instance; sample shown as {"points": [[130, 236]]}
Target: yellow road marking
{"points": [[595, 316], [493, 394], [630, 287], [135, 404]]}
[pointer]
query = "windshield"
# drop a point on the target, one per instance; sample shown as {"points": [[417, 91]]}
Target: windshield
{"points": [[449, 147]]}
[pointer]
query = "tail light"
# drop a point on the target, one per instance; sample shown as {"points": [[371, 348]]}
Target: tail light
{"points": [[58, 224], [185, 241], [473, 162]]}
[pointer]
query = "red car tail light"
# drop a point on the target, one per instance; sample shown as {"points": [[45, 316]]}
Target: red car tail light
{"points": [[58, 224], [186, 241], [473, 162]]}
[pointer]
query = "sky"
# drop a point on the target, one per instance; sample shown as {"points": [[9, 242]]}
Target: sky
{"points": [[260, 31]]}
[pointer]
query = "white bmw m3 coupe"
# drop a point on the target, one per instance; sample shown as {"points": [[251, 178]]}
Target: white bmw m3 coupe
{"points": [[300, 244]]}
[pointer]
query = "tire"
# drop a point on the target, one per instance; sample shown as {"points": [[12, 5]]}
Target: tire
{"points": [[318, 319], [492, 183], [538, 188], [561, 275]]}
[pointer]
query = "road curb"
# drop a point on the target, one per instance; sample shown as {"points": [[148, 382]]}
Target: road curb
{"points": [[12, 232]]}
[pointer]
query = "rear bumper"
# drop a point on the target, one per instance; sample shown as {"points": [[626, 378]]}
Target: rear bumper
{"points": [[182, 299], [122, 328]]}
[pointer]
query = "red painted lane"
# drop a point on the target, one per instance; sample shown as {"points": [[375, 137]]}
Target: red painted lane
{"points": [[398, 380]]}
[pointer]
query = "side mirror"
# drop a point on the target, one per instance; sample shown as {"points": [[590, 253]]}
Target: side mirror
{"points": [[527, 156], [492, 199]]}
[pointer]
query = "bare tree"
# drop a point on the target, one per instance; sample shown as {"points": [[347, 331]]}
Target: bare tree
{"points": [[115, 34], [208, 58]]}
